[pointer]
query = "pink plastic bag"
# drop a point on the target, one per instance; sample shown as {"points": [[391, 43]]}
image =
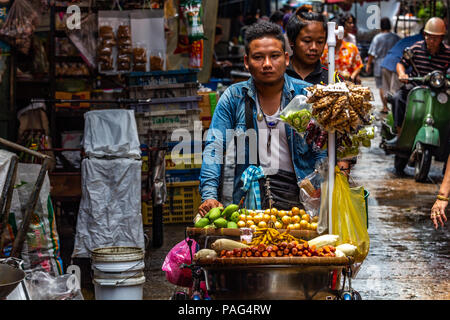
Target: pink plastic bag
{"points": [[178, 255]]}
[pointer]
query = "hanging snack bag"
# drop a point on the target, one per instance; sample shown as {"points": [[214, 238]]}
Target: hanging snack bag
{"points": [[19, 26], [140, 58], [297, 114], [124, 50]]}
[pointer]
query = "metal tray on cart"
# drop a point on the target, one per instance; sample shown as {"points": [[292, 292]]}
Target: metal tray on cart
{"points": [[278, 278]]}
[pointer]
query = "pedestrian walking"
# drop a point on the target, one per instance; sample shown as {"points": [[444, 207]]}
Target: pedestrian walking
{"points": [[378, 49]]}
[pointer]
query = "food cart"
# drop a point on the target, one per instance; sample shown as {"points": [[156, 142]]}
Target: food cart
{"points": [[282, 276]]}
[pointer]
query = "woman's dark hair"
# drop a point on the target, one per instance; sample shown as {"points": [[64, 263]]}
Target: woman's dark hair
{"points": [[263, 29], [344, 17], [277, 16], [385, 24], [300, 19]]}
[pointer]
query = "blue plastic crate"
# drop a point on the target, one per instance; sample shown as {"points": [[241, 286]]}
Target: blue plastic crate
{"points": [[160, 104], [155, 78]]}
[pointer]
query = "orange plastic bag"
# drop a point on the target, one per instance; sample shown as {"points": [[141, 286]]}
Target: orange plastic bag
{"points": [[349, 216]]}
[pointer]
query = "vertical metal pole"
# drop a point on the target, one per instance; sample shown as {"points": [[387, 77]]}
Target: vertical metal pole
{"points": [[331, 41]]}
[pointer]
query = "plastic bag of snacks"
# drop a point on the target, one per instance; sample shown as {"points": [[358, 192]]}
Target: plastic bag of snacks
{"points": [[310, 190], [297, 114], [19, 26]]}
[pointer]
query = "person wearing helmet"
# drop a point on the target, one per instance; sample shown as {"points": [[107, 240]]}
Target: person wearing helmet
{"points": [[428, 55]]}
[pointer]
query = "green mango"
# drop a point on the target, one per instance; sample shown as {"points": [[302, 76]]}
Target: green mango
{"points": [[202, 223], [232, 225], [221, 223], [228, 211], [234, 217], [214, 214], [209, 226]]}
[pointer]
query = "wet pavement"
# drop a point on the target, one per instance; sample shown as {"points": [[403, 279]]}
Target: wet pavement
{"points": [[408, 258]]}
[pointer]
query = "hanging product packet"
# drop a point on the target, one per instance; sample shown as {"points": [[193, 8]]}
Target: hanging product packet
{"points": [[148, 43], [297, 114], [193, 14]]}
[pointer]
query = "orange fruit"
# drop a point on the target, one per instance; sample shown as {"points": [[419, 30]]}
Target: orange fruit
{"points": [[251, 213], [262, 224], [266, 217], [296, 219], [278, 225], [253, 226], [306, 217], [302, 212], [315, 219], [267, 211], [297, 226], [273, 211], [290, 227], [242, 217], [295, 210], [314, 226], [303, 224], [250, 223], [286, 220], [273, 218], [241, 224], [308, 227], [281, 213]]}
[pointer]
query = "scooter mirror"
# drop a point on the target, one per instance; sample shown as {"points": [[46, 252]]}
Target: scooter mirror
{"points": [[407, 53]]}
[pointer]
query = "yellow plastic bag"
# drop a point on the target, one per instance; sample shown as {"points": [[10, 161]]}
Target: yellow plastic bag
{"points": [[349, 216]]}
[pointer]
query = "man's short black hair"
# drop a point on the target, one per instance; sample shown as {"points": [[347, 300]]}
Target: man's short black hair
{"points": [[385, 24], [263, 29]]}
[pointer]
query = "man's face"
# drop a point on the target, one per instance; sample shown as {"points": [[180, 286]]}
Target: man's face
{"points": [[433, 42], [310, 43], [266, 60]]}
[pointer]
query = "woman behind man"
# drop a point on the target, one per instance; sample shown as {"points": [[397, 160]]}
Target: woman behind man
{"points": [[307, 33]]}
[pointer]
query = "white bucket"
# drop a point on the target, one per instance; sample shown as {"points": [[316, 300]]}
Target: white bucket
{"points": [[118, 273]]}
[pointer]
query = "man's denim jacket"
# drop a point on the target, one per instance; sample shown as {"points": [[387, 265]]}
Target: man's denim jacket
{"points": [[230, 115]]}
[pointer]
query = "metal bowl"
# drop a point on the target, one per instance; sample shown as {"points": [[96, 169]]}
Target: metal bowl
{"points": [[273, 282], [10, 277]]}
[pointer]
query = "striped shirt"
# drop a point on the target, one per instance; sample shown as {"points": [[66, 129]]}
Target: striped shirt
{"points": [[425, 62]]}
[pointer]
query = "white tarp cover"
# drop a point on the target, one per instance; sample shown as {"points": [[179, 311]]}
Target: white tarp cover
{"points": [[111, 133], [110, 207]]}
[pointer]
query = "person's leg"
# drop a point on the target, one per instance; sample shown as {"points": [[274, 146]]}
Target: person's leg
{"points": [[378, 82]]}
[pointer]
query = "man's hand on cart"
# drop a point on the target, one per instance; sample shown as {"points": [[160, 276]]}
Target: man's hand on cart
{"points": [[208, 205]]}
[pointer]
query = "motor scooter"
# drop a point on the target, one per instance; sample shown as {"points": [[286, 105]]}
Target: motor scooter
{"points": [[426, 127]]}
